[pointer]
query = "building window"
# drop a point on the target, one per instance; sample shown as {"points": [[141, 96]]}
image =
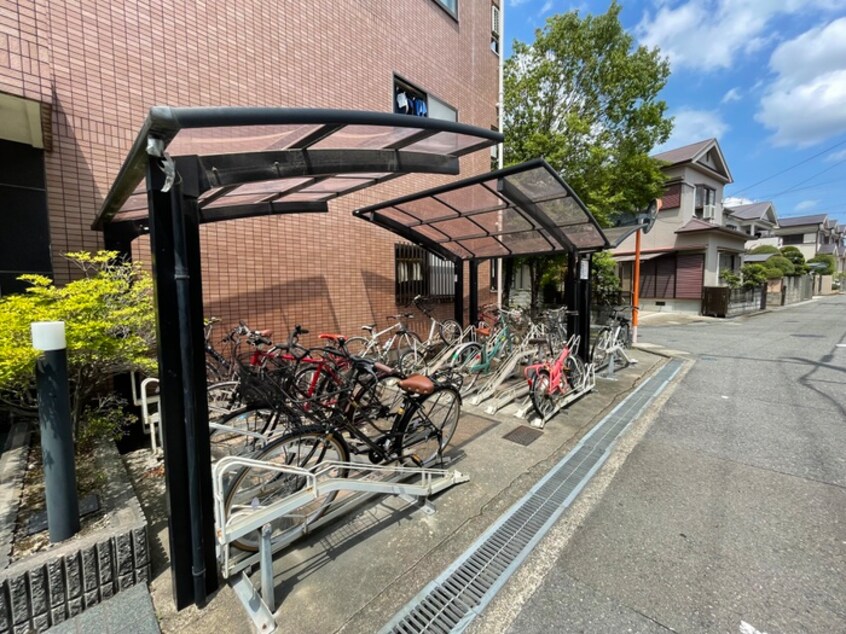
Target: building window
{"points": [[411, 100], [706, 199], [494, 269], [451, 6], [496, 28], [419, 272], [796, 238]]}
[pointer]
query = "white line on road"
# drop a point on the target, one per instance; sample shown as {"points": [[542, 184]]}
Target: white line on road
{"points": [[745, 628]]}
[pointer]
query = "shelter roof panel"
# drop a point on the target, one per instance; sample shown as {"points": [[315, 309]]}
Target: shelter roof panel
{"points": [[520, 210], [289, 155]]}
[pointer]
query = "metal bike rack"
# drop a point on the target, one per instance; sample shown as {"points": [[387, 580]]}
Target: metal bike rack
{"points": [[613, 351], [386, 480], [508, 395], [587, 384], [150, 416], [502, 374]]}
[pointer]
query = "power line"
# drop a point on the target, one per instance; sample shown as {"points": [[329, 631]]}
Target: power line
{"points": [[810, 178], [787, 169]]}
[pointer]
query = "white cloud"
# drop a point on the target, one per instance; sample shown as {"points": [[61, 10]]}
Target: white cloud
{"points": [[731, 95], [736, 201], [691, 125], [517, 3], [805, 205], [546, 7], [709, 34], [806, 103], [836, 156]]}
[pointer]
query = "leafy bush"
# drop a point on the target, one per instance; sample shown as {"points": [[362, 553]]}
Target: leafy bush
{"points": [[829, 261], [765, 248], [795, 255], [110, 329], [774, 273], [731, 278], [604, 278], [754, 275], [782, 263]]}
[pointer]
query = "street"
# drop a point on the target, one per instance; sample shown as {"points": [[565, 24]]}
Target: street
{"points": [[729, 514]]}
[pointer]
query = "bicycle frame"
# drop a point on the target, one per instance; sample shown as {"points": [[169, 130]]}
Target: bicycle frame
{"points": [[558, 379]]}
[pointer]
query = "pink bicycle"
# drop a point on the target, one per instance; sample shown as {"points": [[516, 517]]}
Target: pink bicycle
{"points": [[551, 381]]}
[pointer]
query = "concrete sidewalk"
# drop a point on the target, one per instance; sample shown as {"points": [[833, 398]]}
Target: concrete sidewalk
{"points": [[355, 574]]}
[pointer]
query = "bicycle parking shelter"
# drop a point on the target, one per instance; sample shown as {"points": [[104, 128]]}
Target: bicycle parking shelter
{"points": [[190, 166]]}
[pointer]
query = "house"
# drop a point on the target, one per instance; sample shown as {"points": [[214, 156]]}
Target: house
{"points": [[691, 240], [813, 235], [757, 220], [77, 82]]}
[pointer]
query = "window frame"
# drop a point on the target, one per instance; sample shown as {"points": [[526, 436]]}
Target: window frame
{"points": [[444, 6]]}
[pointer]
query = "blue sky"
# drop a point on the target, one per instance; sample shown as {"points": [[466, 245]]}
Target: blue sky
{"points": [[767, 78]]}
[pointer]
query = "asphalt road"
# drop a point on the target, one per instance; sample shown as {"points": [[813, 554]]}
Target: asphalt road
{"points": [[730, 514]]}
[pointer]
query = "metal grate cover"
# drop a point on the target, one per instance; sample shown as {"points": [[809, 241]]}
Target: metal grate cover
{"points": [[452, 601], [523, 435]]}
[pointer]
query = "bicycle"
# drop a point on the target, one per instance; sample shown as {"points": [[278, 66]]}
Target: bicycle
{"points": [[448, 332], [372, 347], [419, 431], [550, 381], [614, 335]]}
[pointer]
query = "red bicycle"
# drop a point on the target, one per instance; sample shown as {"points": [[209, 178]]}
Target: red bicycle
{"points": [[550, 381]]}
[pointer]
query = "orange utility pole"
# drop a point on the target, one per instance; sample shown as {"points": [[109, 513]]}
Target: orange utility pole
{"points": [[636, 287]]}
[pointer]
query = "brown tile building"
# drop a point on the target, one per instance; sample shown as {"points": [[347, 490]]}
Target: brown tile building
{"points": [[78, 76]]}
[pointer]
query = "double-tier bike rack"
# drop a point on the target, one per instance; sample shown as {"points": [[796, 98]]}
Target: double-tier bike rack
{"points": [[586, 385], [611, 358], [369, 480], [490, 389]]}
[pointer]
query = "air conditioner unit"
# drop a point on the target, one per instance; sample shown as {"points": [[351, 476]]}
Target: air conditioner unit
{"points": [[709, 211], [495, 20]]}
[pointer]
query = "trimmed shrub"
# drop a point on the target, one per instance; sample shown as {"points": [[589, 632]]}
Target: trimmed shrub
{"points": [[754, 275], [782, 263], [774, 273], [829, 261], [795, 255], [765, 248]]}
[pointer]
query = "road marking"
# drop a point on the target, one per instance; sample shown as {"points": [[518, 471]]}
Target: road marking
{"points": [[840, 345], [745, 628]]}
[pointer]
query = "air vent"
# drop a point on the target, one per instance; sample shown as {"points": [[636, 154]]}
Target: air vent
{"points": [[495, 20]]}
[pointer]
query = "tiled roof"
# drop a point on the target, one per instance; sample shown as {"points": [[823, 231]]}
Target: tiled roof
{"points": [[697, 224], [796, 221], [683, 154], [752, 211], [827, 249], [758, 257]]}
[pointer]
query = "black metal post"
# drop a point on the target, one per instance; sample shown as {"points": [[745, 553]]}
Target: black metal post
{"points": [[585, 279], [459, 292], [175, 250], [54, 414], [474, 291]]}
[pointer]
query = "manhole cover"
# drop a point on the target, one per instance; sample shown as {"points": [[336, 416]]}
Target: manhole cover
{"points": [[523, 435]]}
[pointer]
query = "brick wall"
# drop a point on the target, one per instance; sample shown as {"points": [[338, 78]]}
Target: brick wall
{"points": [[100, 64]]}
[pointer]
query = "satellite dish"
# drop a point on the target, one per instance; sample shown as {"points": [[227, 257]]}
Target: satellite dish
{"points": [[647, 218]]}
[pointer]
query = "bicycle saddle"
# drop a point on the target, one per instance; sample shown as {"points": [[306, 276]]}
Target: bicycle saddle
{"points": [[417, 384], [369, 327]]}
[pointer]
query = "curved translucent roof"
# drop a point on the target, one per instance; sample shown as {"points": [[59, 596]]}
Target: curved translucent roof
{"points": [[254, 161], [521, 210]]}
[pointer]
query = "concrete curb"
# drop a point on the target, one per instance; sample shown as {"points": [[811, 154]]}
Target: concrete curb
{"points": [[47, 588], [12, 468]]}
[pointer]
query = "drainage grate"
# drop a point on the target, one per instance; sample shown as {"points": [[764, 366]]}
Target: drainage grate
{"points": [[462, 591], [523, 435]]}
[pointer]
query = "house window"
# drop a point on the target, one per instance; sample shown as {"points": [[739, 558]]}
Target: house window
{"points": [[451, 7], [706, 198], [496, 28], [418, 272], [796, 238], [411, 100]]}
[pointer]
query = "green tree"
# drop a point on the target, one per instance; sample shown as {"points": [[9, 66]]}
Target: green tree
{"points": [[604, 279], [585, 98], [754, 275], [795, 255], [731, 278], [765, 248], [827, 259], [781, 263], [110, 329], [774, 273]]}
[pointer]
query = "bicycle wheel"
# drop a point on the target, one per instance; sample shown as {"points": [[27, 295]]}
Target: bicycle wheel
{"points": [[223, 398], [449, 331], [256, 488], [601, 345], [430, 427], [231, 442], [542, 401], [626, 335], [411, 361], [358, 346], [575, 369], [466, 356]]}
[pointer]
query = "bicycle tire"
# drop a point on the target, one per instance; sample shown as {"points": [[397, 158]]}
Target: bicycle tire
{"points": [[626, 336], [306, 448], [599, 350], [254, 419], [465, 356], [411, 361], [430, 427], [575, 369], [223, 397], [449, 331], [359, 346], [542, 401]]}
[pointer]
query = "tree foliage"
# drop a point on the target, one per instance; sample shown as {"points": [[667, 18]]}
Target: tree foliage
{"points": [[827, 259], [604, 279], [109, 324], [765, 248], [731, 278], [795, 256], [754, 275], [586, 99], [781, 263]]}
